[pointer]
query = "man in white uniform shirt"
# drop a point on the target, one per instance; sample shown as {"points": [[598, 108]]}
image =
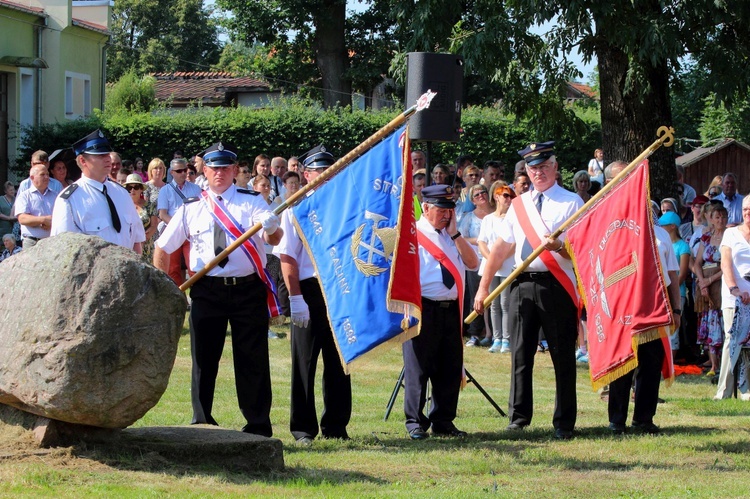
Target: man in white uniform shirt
{"points": [[94, 206], [233, 292], [437, 353], [544, 295], [311, 333]]}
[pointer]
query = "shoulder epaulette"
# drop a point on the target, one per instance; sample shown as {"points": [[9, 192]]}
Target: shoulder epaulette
{"points": [[248, 191], [191, 200], [65, 194]]}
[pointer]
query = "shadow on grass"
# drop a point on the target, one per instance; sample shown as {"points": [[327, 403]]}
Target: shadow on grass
{"points": [[153, 462]]}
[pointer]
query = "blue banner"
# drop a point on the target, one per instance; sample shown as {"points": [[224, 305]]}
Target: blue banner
{"points": [[359, 231]]}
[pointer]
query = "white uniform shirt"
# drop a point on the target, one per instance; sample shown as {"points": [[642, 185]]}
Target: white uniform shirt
{"points": [[291, 245], [194, 222], [558, 205], [33, 202], [86, 211], [169, 199], [430, 274]]}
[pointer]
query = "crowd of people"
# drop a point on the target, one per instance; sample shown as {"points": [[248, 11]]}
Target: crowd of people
{"points": [[474, 227]]}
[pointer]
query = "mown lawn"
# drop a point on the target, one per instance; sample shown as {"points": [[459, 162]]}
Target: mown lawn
{"points": [[704, 450]]}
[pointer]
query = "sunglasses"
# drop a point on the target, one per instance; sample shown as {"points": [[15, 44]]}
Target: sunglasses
{"points": [[506, 195], [130, 188], [480, 193], [179, 171]]}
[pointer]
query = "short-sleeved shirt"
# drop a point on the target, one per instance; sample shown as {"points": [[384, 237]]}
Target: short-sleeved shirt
{"points": [[667, 257], [735, 241], [681, 248], [488, 234], [193, 222], [86, 211], [291, 245], [558, 205], [170, 200], [430, 273], [33, 202]]}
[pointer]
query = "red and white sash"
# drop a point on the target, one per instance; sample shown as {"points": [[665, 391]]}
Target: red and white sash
{"points": [[234, 230], [439, 255], [533, 225]]}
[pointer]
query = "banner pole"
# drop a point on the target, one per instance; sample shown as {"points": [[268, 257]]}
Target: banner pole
{"points": [[422, 103], [666, 138]]}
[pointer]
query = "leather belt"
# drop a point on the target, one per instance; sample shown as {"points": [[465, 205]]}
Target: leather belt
{"points": [[230, 281], [535, 276], [441, 303]]}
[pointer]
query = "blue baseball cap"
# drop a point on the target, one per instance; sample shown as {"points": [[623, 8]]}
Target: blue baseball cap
{"points": [[669, 218]]}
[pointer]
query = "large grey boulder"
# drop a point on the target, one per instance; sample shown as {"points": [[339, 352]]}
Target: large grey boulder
{"points": [[88, 332]]}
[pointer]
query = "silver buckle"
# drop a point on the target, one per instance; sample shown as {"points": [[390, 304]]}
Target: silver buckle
{"points": [[230, 281]]}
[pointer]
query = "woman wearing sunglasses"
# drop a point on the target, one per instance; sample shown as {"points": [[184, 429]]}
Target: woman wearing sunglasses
{"points": [[146, 210], [502, 195]]}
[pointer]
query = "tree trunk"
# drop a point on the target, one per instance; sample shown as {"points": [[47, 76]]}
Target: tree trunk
{"points": [[331, 56], [630, 118]]}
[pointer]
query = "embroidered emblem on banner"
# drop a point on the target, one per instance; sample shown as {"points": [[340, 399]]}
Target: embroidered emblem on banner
{"points": [[385, 236]]}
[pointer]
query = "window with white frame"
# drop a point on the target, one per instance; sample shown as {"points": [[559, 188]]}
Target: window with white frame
{"points": [[77, 95]]}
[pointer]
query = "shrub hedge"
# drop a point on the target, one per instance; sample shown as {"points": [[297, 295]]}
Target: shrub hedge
{"points": [[293, 127]]}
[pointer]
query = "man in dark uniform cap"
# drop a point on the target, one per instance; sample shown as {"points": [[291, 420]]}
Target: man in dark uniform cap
{"points": [[234, 291], [544, 295], [437, 353], [94, 206], [311, 332]]}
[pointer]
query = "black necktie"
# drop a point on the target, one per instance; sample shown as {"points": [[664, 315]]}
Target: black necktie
{"points": [[539, 202], [219, 241], [112, 210], [448, 280]]}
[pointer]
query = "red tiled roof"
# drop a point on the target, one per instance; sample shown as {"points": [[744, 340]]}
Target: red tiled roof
{"points": [[89, 25], [583, 89], [23, 8], [202, 86]]}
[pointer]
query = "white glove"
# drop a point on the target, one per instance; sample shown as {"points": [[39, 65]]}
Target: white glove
{"points": [[300, 311], [270, 222]]}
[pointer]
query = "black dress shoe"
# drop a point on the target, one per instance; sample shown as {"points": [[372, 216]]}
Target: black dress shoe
{"points": [[304, 441], [515, 427], [561, 434], [649, 427], [617, 428], [338, 436], [418, 434], [451, 432]]}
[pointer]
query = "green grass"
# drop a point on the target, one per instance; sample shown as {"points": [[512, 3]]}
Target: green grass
{"points": [[704, 450]]}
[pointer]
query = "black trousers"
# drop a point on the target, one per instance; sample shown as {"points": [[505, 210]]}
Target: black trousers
{"points": [[647, 379], [436, 354], [243, 306], [307, 344], [539, 300]]}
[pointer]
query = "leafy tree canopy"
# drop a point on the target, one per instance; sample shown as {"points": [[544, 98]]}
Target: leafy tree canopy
{"points": [[161, 36]]}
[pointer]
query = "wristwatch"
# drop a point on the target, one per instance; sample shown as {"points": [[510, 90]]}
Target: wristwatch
{"points": [[455, 236]]}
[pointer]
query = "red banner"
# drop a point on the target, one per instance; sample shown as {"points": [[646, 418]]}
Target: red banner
{"points": [[620, 278], [405, 290]]}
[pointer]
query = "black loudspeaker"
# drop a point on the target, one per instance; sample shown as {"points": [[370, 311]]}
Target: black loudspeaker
{"points": [[441, 73]]}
